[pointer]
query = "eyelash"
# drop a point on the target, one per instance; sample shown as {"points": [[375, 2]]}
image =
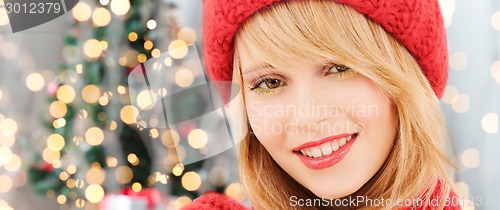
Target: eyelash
{"points": [[345, 73]]}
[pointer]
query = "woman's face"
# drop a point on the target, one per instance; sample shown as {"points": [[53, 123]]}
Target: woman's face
{"points": [[328, 127]]}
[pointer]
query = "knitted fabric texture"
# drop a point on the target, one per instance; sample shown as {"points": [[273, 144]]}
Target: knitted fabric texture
{"points": [[214, 201], [416, 24]]}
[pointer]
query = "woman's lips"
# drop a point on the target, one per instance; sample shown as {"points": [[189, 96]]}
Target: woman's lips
{"points": [[325, 152]]}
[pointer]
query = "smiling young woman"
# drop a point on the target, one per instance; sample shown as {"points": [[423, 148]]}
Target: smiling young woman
{"points": [[337, 59]]}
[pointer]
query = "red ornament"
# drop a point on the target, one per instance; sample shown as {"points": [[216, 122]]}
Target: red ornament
{"points": [[52, 89]]}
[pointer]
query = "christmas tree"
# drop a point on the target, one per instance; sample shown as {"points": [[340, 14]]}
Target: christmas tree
{"points": [[96, 146]]}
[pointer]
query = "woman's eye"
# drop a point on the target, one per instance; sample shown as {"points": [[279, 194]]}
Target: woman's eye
{"points": [[267, 86], [336, 68], [269, 83]]}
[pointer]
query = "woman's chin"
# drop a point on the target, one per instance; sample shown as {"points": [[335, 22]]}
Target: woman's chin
{"points": [[334, 192]]}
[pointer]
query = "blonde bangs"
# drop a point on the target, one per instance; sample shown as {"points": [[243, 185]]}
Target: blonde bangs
{"points": [[300, 33], [308, 32]]}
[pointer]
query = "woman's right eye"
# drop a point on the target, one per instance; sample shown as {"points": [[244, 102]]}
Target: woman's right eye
{"points": [[267, 85]]}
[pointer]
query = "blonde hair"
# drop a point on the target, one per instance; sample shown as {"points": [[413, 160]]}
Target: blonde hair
{"points": [[309, 32]]}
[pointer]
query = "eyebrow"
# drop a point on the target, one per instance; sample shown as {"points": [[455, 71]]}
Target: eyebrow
{"points": [[257, 67]]}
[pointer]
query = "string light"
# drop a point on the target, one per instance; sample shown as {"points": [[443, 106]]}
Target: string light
{"points": [[14, 164], [111, 162], [145, 99], [94, 136], [102, 116], [50, 156], [177, 49], [163, 179], [197, 138], [191, 181], [61, 199], [55, 142], [35, 82], [489, 123], [235, 191], [136, 187], [470, 158], [151, 24], [71, 169], [8, 127], [132, 36], [128, 114], [495, 20], [186, 34], [81, 11], [132, 159], [122, 61], [63, 176], [79, 183], [178, 169], [113, 125], [120, 7], [168, 61], [7, 141], [123, 174], [58, 109], [184, 77], [101, 17], [4, 19], [80, 203], [182, 201], [82, 114], [131, 58], [156, 53], [6, 183], [148, 45], [95, 175], [59, 123], [5, 155], [91, 94], [170, 138], [104, 2], [56, 163], [460, 103], [79, 68], [103, 45], [142, 58], [66, 94], [70, 183], [94, 193], [153, 133], [92, 49]]}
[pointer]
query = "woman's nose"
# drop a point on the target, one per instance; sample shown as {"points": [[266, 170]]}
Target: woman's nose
{"points": [[311, 108]]}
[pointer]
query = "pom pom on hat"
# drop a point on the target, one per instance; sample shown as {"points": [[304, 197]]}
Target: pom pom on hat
{"points": [[416, 24]]}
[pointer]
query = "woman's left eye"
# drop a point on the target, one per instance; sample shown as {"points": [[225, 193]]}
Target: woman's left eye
{"points": [[335, 68]]}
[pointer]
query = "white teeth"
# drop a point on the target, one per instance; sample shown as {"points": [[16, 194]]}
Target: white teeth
{"points": [[342, 142], [316, 152], [326, 149], [335, 145], [308, 151], [303, 151]]}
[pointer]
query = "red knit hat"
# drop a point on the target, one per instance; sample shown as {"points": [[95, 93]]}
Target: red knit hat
{"points": [[416, 24]]}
